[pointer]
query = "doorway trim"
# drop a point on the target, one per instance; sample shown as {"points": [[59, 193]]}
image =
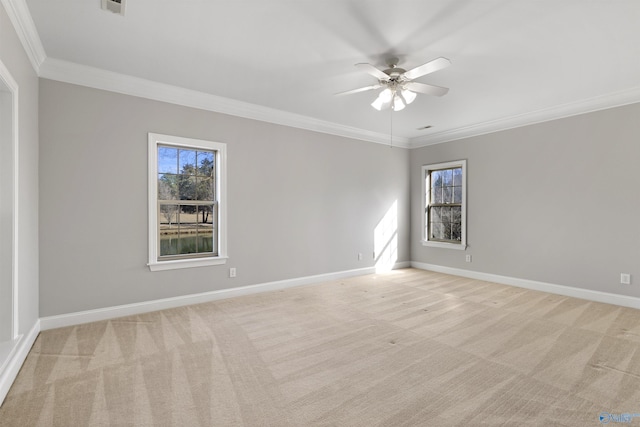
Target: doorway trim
{"points": [[12, 89], [10, 338]]}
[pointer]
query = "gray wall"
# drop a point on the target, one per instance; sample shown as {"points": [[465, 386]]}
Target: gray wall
{"points": [[556, 202], [300, 203], [17, 62]]}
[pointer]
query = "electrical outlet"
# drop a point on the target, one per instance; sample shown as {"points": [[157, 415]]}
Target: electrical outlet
{"points": [[232, 272], [359, 256], [625, 278], [468, 258]]}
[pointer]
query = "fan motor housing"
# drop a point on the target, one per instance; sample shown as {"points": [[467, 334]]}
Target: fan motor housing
{"points": [[395, 72]]}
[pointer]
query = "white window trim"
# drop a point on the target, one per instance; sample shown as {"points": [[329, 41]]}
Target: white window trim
{"points": [[221, 191], [425, 185]]}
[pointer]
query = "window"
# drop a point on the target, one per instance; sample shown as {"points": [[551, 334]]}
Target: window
{"points": [[444, 219], [186, 202]]}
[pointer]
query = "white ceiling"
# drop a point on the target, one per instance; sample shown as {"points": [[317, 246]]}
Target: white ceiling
{"points": [[513, 61]]}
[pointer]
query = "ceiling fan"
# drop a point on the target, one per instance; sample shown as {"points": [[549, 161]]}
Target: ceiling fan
{"points": [[399, 87]]}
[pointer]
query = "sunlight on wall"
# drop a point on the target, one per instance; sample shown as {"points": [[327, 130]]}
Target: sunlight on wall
{"points": [[385, 240]]}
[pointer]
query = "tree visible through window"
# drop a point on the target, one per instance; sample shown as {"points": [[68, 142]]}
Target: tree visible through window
{"points": [[444, 203]]}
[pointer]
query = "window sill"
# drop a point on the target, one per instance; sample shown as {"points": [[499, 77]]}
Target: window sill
{"points": [[186, 263], [457, 246]]}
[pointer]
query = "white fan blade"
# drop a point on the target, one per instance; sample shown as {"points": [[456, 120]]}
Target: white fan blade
{"points": [[429, 67], [428, 89], [362, 89], [370, 69]]}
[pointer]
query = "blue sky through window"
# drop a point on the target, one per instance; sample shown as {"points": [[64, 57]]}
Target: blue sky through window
{"points": [[173, 160], [167, 160]]}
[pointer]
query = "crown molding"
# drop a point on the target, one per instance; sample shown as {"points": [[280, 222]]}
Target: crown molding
{"points": [[603, 102], [69, 72], [22, 21]]}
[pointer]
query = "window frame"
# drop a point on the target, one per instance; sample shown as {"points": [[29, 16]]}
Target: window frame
{"points": [[426, 187], [197, 260]]}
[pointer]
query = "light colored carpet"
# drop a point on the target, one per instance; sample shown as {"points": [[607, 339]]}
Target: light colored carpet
{"points": [[408, 348]]}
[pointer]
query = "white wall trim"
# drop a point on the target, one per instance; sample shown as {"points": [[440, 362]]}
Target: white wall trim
{"points": [[69, 72], [26, 29], [77, 318], [616, 99], [17, 356], [7, 79], [569, 291], [70, 319]]}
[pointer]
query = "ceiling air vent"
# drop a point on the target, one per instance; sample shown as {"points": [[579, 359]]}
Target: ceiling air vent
{"points": [[115, 6]]}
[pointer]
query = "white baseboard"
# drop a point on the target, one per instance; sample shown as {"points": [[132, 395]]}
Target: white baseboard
{"points": [[81, 317], [62, 320], [569, 291], [18, 354], [402, 264], [9, 370]]}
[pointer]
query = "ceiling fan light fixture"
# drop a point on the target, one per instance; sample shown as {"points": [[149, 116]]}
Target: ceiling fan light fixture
{"points": [[399, 87], [408, 96], [398, 103], [377, 104], [383, 100]]}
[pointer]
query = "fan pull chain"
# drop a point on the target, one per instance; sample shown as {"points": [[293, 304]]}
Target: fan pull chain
{"points": [[391, 126]]}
